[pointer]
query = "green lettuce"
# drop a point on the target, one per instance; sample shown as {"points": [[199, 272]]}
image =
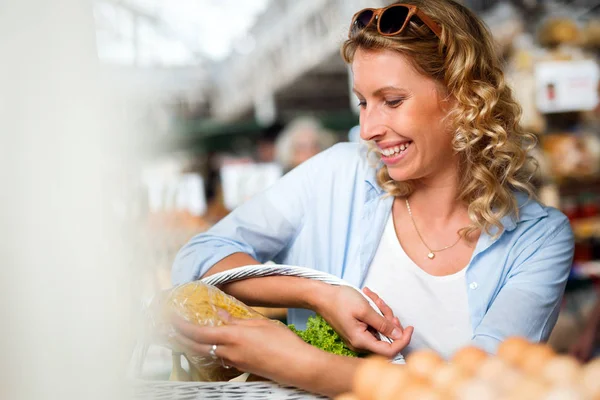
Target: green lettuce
{"points": [[321, 335]]}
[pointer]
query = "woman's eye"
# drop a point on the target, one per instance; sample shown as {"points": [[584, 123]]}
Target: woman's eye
{"points": [[394, 103], [362, 104]]}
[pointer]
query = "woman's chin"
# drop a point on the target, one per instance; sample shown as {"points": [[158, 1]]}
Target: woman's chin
{"points": [[399, 176]]}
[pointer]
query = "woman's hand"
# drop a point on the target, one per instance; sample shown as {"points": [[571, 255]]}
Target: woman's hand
{"points": [[261, 347], [385, 310], [350, 314]]}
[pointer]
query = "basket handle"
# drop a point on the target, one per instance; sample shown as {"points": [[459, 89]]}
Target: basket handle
{"points": [[264, 270]]}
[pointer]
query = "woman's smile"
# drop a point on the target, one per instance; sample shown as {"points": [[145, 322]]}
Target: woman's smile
{"points": [[391, 155]]}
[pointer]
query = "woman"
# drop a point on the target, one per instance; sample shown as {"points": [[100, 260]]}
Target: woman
{"points": [[442, 223]]}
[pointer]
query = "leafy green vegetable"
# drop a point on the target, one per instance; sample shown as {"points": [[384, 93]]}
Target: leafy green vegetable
{"points": [[320, 334]]}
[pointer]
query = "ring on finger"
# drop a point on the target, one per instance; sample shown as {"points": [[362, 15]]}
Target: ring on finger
{"points": [[213, 352]]}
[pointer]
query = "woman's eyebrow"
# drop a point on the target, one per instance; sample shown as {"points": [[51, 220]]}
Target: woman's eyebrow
{"points": [[379, 91]]}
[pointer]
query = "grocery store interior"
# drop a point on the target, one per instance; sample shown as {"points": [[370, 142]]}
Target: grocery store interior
{"points": [[231, 117], [218, 99]]}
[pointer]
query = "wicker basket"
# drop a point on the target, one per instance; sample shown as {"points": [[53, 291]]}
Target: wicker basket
{"points": [[217, 391], [235, 390]]}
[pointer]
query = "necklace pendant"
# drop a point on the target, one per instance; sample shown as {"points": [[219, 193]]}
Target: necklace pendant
{"points": [[431, 255]]}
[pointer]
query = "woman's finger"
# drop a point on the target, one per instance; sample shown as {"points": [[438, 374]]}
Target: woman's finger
{"points": [[380, 323], [249, 323], [371, 294], [192, 348], [201, 334], [382, 305], [397, 322], [390, 350], [398, 345], [385, 309]]}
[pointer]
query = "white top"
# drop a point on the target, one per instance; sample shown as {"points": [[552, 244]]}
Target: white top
{"points": [[435, 305]]}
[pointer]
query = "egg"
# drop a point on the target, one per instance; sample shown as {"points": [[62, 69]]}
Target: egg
{"points": [[590, 378], [423, 362], [367, 375], [420, 391], [491, 369], [378, 379], [535, 358], [448, 378], [469, 358], [347, 396], [561, 371], [512, 349], [528, 389], [565, 393], [509, 379], [392, 381], [476, 389], [497, 373]]}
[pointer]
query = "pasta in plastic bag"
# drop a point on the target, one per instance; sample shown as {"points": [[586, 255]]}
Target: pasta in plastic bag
{"points": [[197, 303]]}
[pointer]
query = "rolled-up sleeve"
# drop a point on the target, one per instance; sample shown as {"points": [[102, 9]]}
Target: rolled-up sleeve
{"points": [[529, 302], [262, 227]]}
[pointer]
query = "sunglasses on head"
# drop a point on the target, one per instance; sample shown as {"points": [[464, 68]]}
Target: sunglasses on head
{"points": [[391, 20]]}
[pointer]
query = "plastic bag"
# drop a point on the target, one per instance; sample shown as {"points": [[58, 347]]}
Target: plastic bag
{"points": [[197, 303]]}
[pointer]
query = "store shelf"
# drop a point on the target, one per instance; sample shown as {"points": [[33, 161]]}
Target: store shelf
{"points": [[586, 227], [588, 270], [576, 186]]}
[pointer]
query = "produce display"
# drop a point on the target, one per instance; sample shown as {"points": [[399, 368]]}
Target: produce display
{"points": [[520, 371]]}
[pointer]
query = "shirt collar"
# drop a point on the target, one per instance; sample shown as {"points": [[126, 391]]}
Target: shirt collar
{"points": [[371, 181], [371, 173], [528, 210]]}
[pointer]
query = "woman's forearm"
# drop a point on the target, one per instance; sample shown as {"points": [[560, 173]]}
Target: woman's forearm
{"points": [[324, 373], [276, 291]]}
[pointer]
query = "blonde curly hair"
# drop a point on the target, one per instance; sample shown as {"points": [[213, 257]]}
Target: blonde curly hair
{"points": [[493, 148]]}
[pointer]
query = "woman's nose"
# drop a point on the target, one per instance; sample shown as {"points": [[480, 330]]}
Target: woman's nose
{"points": [[371, 127]]}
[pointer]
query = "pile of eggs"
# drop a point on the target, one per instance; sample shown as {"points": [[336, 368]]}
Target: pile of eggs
{"points": [[520, 371]]}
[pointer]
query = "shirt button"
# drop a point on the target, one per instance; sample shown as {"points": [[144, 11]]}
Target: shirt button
{"points": [[473, 285]]}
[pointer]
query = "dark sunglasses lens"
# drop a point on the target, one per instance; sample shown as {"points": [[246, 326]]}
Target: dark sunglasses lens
{"points": [[392, 19], [363, 19]]}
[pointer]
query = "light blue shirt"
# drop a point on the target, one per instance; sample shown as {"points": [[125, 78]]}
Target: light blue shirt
{"points": [[329, 214]]}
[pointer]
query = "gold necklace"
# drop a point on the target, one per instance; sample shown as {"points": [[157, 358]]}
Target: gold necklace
{"points": [[431, 253]]}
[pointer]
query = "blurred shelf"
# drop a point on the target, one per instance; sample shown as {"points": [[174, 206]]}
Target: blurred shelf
{"points": [[205, 134], [585, 228], [585, 271], [576, 186]]}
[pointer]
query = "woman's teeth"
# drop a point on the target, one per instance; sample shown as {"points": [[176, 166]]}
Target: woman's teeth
{"points": [[391, 151]]}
